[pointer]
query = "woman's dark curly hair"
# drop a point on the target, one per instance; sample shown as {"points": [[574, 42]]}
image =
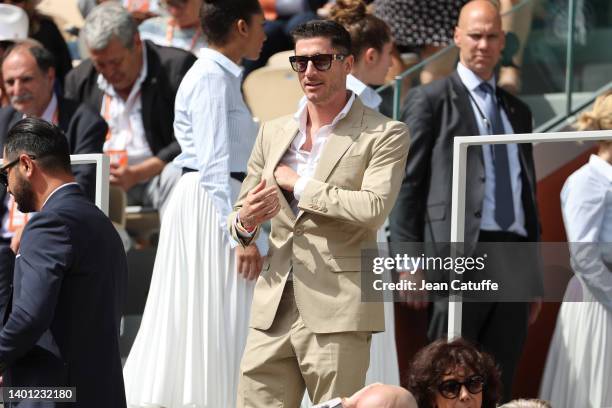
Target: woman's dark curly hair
{"points": [[441, 358]]}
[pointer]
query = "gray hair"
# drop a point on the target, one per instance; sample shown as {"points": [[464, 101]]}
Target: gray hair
{"points": [[527, 403], [107, 21]]}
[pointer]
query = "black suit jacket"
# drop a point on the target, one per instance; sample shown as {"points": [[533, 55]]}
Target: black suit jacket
{"points": [[62, 327], [435, 114], [166, 68], [85, 130]]}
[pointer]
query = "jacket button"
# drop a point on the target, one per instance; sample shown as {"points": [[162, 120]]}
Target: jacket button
{"points": [[478, 214], [482, 179], [298, 231]]}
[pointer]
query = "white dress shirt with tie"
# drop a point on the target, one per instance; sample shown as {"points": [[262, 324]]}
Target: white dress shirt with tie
{"points": [[488, 223]]}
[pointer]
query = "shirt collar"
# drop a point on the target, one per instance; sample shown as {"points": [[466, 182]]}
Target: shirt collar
{"points": [[601, 166], [368, 96], [470, 79], [108, 88], [58, 189], [222, 60], [301, 116], [51, 108]]}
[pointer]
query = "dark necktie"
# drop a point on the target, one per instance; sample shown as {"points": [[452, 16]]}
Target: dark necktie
{"points": [[504, 203]]}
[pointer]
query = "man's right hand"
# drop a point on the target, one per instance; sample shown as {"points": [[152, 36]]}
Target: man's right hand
{"points": [[249, 261], [414, 299], [260, 205]]}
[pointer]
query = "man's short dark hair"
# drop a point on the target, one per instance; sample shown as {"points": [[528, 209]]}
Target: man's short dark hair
{"points": [[43, 57], [340, 38], [42, 140]]}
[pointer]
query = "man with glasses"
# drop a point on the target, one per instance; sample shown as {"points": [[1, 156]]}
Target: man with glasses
{"points": [[133, 84], [326, 177], [61, 328], [28, 76]]}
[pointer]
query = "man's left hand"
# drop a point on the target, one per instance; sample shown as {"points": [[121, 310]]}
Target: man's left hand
{"points": [[123, 176], [286, 177]]}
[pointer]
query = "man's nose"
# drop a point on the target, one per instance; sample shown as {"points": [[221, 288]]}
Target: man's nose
{"points": [[310, 68]]}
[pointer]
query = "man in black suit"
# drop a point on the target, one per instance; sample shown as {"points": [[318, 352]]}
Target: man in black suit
{"points": [[133, 84], [29, 74], [61, 328], [500, 185]]}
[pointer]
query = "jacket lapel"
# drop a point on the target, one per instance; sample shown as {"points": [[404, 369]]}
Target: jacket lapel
{"points": [[281, 142], [342, 137], [461, 101], [346, 132]]}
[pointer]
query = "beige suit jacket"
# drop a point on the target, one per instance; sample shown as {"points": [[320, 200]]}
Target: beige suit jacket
{"points": [[351, 194]]}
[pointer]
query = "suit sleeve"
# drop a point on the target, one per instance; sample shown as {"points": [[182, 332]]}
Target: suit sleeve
{"points": [[407, 219], [254, 175], [88, 134], [371, 205], [45, 256]]}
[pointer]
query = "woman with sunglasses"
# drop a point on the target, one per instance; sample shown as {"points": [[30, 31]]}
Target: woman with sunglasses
{"points": [[454, 375], [180, 29], [193, 330]]}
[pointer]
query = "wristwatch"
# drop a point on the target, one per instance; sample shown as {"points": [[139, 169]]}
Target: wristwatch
{"points": [[335, 403]]}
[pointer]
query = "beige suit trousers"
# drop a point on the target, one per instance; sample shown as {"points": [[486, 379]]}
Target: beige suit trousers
{"points": [[279, 363]]}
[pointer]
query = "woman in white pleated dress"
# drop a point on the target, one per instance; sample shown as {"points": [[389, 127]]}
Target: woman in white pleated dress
{"points": [[579, 365], [190, 342]]}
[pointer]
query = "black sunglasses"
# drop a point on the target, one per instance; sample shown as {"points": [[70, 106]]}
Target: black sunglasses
{"points": [[4, 170], [322, 62], [450, 389]]}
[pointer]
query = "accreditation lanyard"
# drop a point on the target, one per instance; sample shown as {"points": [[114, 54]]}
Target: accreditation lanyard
{"points": [[170, 34], [117, 156]]}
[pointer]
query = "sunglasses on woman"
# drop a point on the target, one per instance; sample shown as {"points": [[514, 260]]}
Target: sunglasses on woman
{"points": [[322, 62], [450, 389]]}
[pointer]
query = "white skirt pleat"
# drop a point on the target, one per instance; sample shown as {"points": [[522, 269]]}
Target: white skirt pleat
{"points": [[579, 363], [194, 327]]}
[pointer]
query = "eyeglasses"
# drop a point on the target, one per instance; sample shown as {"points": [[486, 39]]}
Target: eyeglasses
{"points": [[4, 170], [322, 62], [450, 389]]}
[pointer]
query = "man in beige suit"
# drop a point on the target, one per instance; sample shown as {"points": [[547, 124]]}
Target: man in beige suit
{"points": [[327, 178]]}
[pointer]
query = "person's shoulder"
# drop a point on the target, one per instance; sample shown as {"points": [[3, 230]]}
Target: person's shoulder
{"points": [[169, 56], [514, 101], [375, 121], [82, 72], [77, 110]]}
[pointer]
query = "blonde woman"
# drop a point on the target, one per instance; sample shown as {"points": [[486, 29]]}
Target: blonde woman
{"points": [[579, 363]]}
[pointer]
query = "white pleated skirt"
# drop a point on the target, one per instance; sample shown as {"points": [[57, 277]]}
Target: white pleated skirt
{"points": [[193, 331], [578, 370]]}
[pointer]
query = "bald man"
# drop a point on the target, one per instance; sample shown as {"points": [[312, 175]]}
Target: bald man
{"points": [[500, 194], [375, 396]]}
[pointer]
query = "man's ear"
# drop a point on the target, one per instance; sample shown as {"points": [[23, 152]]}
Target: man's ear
{"points": [[348, 63], [27, 163]]}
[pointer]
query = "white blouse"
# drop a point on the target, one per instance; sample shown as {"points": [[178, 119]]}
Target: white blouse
{"points": [[214, 126], [586, 202]]}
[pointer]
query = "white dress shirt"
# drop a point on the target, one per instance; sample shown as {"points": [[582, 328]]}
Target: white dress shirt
{"points": [[303, 162], [50, 115], [488, 223], [124, 118], [586, 202], [214, 126]]}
